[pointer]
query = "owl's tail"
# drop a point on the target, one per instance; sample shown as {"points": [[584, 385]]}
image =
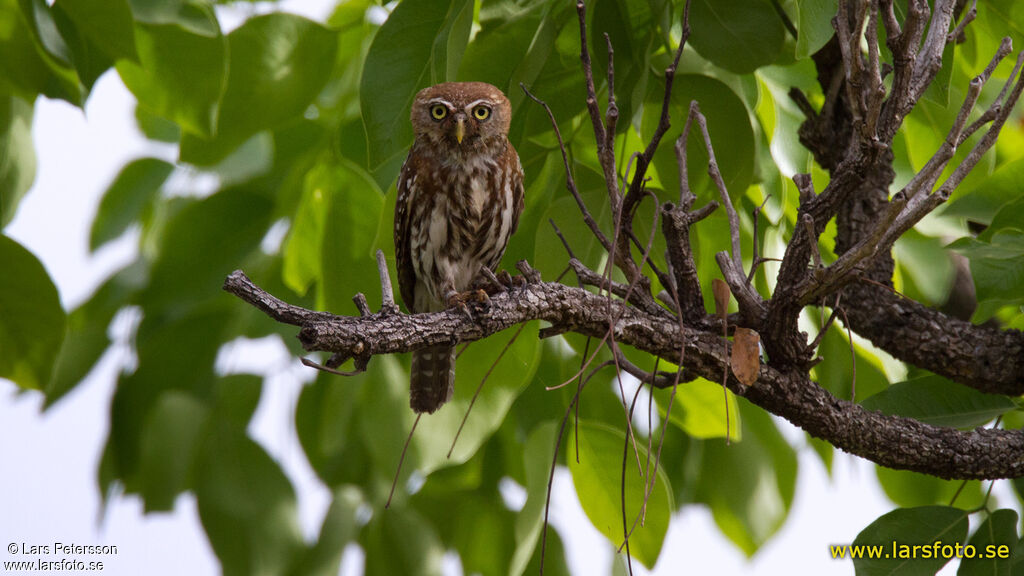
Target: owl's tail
{"points": [[432, 378]]}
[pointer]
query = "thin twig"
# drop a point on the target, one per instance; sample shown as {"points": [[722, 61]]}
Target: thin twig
{"points": [[570, 183], [307, 362], [401, 459], [388, 305], [481, 386]]}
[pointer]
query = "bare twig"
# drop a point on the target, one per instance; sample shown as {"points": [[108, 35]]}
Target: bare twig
{"points": [[322, 368], [481, 386], [388, 305], [401, 459], [570, 183], [361, 304]]}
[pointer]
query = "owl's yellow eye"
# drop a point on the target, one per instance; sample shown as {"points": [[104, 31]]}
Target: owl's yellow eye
{"points": [[481, 112], [438, 111]]}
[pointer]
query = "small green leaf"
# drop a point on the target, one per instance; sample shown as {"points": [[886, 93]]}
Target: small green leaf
{"points": [[398, 64], [938, 90], [940, 402], [173, 429], [279, 63], [61, 78], [191, 15], [598, 479], [127, 199], [513, 374], [815, 25], [997, 266], [340, 527], [899, 531], [17, 155], [749, 485], [993, 544], [180, 74], [731, 136], [836, 373], [106, 23], [400, 541], [980, 203], [156, 128], [538, 456], [246, 504], [910, 489], [355, 210], [699, 410], [738, 35], [31, 318], [203, 243], [89, 60], [302, 250], [86, 337], [1009, 217]]}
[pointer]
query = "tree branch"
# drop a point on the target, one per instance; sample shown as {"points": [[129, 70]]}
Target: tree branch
{"points": [[887, 440]]}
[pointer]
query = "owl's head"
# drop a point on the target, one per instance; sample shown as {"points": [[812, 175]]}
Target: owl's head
{"points": [[463, 115]]}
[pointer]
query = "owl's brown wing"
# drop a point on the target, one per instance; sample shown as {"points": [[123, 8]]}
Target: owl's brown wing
{"points": [[517, 188], [403, 215]]}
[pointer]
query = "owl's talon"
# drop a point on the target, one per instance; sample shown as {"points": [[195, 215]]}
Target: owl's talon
{"points": [[477, 296]]}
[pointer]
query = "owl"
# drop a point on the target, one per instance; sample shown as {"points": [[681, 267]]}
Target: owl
{"points": [[460, 194]]}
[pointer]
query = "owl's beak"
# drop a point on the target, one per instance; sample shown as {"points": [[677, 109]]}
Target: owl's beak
{"points": [[460, 128]]}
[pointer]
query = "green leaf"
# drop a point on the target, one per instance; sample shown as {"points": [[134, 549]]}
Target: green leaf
{"points": [[31, 318], [749, 485], [993, 543], [513, 45], [175, 352], [355, 213], [398, 64], [191, 15], [997, 266], [699, 410], [538, 457], [835, 373], [170, 437], [279, 63], [598, 479], [513, 374], [302, 250], [940, 402], [23, 72], [127, 199], [400, 541], [202, 244], [86, 337], [89, 60], [340, 526], [156, 128], [106, 23], [181, 74], [909, 527], [938, 90], [738, 35], [1010, 217], [815, 25], [60, 79], [17, 155], [731, 136], [246, 504], [909, 489], [926, 267]]}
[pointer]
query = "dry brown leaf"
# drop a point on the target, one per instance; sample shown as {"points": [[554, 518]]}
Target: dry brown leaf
{"points": [[746, 359], [722, 294]]}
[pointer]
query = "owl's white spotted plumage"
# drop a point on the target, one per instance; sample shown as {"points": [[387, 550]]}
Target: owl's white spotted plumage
{"points": [[460, 194]]}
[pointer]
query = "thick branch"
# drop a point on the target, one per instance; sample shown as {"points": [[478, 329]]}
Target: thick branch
{"points": [[887, 440]]}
